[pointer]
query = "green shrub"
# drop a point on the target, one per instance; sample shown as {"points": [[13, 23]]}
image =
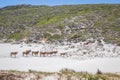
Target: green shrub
{"points": [[60, 26], [15, 36]]}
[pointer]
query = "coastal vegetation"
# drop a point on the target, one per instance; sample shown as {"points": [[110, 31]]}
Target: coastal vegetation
{"points": [[71, 22]]}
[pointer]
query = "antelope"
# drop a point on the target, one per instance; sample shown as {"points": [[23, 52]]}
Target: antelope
{"points": [[26, 52], [49, 53], [35, 53], [13, 54], [42, 53], [63, 54], [54, 52]]}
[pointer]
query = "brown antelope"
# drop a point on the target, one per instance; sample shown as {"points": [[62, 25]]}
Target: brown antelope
{"points": [[35, 53], [54, 52], [26, 52], [63, 54], [13, 54], [42, 53], [49, 53]]}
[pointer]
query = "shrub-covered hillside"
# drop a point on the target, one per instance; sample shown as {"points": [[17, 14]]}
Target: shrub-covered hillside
{"points": [[65, 22]]}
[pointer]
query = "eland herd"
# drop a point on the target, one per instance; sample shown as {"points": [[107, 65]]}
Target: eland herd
{"points": [[35, 53]]}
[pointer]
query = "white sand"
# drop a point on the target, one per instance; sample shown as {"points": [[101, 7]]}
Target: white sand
{"points": [[55, 64]]}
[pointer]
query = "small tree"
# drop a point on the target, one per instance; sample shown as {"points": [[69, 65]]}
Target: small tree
{"points": [[98, 72]]}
